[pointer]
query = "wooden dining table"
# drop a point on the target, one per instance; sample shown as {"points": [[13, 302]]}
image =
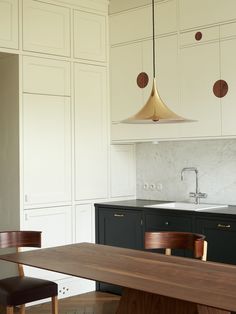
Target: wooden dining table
{"points": [[153, 283]]}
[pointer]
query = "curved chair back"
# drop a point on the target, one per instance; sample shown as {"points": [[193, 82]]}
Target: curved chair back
{"points": [[177, 240]]}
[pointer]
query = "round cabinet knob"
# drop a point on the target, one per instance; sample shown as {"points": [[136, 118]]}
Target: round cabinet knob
{"points": [[198, 36], [220, 88], [167, 223], [142, 80]]}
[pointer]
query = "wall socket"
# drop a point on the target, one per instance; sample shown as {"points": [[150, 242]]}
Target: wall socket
{"points": [[153, 186]]}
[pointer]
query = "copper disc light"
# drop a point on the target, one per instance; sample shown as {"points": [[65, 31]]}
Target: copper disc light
{"points": [[155, 111]]}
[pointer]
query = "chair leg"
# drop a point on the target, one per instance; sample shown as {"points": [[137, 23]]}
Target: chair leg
{"points": [[10, 310], [54, 305], [22, 309]]}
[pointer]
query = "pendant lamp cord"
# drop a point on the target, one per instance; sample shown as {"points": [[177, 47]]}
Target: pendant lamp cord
{"points": [[153, 39]]}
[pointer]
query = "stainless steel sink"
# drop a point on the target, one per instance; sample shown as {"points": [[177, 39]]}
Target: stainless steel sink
{"points": [[186, 206]]}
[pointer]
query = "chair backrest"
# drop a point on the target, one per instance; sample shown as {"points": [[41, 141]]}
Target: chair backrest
{"points": [[18, 239], [177, 240]]}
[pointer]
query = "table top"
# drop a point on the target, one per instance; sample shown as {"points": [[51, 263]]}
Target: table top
{"points": [[206, 283]]}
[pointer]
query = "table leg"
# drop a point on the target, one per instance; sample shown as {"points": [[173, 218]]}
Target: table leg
{"points": [[140, 302]]}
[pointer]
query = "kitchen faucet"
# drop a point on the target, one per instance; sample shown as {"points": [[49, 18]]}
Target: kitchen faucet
{"points": [[197, 195]]}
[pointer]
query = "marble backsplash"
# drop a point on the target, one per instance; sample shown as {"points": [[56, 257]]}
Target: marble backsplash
{"points": [[160, 165]]}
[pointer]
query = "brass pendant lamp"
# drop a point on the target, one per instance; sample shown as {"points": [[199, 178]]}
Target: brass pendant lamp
{"points": [[155, 111]]}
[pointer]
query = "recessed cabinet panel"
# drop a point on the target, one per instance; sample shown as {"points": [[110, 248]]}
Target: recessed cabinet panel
{"points": [[84, 223], [123, 171], [89, 36], [55, 224], [46, 76], [199, 71], [46, 28], [126, 96], [91, 152], [204, 12], [139, 21], [46, 149], [9, 23]]}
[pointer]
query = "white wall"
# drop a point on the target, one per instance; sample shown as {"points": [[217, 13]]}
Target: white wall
{"points": [[162, 164]]}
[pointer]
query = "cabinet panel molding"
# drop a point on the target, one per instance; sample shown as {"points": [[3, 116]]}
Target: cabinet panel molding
{"points": [[91, 138], [46, 76], [89, 36], [46, 149], [9, 23], [46, 28]]}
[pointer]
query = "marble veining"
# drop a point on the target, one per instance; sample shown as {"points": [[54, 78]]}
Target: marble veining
{"points": [[163, 162]]}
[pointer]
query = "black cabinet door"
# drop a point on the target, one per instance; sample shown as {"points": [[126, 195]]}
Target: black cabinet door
{"points": [[170, 222], [117, 227], [221, 237]]}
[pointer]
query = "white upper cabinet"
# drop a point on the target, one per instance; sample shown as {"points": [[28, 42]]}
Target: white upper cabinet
{"points": [[195, 13], [46, 28], [90, 36], [9, 23], [46, 76], [199, 71], [46, 150], [91, 138], [137, 23]]}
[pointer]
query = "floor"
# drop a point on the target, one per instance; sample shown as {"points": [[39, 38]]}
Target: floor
{"points": [[88, 303]]}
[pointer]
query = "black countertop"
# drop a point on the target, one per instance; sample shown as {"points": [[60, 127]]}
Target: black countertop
{"points": [[139, 203]]}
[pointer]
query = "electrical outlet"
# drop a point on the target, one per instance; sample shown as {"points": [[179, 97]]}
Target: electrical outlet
{"points": [[152, 186], [159, 187], [63, 291]]}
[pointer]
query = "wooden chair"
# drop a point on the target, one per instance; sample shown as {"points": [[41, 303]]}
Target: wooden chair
{"points": [[20, 290], [177, 240]]}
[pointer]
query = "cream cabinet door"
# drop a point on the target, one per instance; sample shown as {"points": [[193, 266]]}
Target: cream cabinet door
{"points": [[90, 36], [46, 28], [55, 224], [46, 150], [199, 72], [128, 98], [123, 171], [91, 138], [9, 23], [194, 13], [46, 76]]}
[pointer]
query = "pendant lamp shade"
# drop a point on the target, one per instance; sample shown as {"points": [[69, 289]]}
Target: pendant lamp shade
{"points": [[155, 111]]}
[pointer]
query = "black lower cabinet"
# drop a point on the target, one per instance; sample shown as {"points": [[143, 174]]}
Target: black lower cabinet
{"points": [[122, 228], [221, 237]]}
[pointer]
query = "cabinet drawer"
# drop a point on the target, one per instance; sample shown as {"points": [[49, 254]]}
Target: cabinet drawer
{"points": [[46, 76], [46, 28], [156, 222], [199, 36]]}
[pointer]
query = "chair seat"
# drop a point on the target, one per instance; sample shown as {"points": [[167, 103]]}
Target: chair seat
{"points": [[21, 290]]}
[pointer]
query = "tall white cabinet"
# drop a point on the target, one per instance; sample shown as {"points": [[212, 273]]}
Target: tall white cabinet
{"points": [[54, 114]]}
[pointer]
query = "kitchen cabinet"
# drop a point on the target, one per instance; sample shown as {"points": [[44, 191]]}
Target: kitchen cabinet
{"points": [[60, 234], [123, 223], [91, 149], [121, 228], [47, 150], [205, 12], [9, 23], [127, 62], [221, 236], [90, 36], [46, 76], [123, 171], [200, 69], [46, 28]]}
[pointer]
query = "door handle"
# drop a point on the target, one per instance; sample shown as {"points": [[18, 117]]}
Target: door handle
{"points": [[119, 215], [223, 226]]}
